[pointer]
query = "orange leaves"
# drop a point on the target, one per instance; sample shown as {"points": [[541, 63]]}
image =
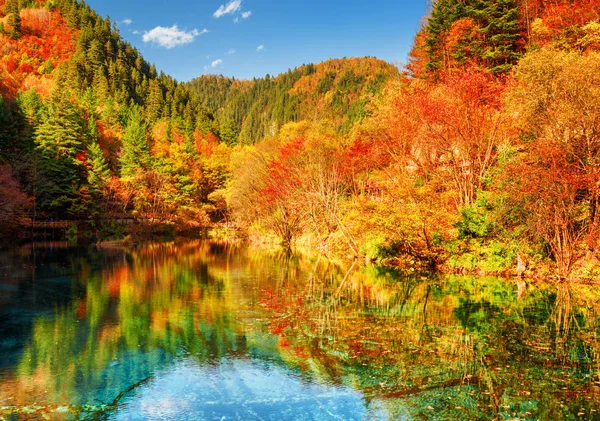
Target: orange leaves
{"points": [[35, 21], [283, 173], [25, 68], [459, 38], [46, 42], [562, 22], [12, 201], [444, 131], [205, 143], [559, 16]]}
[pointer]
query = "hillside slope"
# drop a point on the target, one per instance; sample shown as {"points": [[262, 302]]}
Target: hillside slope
{"points": [[90, 129], [337, 90]]}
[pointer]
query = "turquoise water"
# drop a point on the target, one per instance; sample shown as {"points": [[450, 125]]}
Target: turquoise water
{"points": [[217, 331]]}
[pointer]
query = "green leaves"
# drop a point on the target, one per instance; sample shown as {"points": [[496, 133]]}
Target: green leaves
{"points": [[135, 155], [483, 31]]}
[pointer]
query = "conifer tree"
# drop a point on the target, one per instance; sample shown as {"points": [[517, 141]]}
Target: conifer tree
{"points": [[135, 151], [59, 139], [60, 132], [98, 172], [500, 28], [154, 101], [12, 12], [495, 22]]}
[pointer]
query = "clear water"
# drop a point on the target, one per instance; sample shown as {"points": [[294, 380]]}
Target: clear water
{"points": [[209, 331]]}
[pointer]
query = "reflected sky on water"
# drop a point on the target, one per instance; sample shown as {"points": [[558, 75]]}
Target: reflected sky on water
{"points": [[218, 331]]}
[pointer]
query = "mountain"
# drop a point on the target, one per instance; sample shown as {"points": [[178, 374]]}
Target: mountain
{"points": [[90, 129], [337, 90]]}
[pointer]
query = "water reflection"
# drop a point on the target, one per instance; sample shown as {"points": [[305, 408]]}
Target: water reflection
{"points": [[219, 331]]}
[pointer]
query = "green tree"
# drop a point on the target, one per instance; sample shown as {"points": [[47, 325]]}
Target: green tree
{"points": [[98, 171], [498, 20], [154, 102], [60, 132], [486, 31], [13, 17], [135, 154], [229, 132], [59, 140]]}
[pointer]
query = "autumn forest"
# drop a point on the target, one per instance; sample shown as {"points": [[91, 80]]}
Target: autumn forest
{"points": [[480, 155]]}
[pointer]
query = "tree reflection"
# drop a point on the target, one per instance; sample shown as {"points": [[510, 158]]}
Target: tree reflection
{"points": [[418, 345]]}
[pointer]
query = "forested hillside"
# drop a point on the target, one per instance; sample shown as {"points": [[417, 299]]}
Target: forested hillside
{"points": [[482, 156], [91, 130], [336, 90], [483, 159]]}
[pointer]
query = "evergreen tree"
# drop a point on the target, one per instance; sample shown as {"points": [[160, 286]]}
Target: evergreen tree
{"points": [[13, 17], [60, 132], [228, 132], [154, 101], [59, 139], [9, 132], [495, 22], [30, 105], [500, 28], [443, 14], [135, 153], [98, 172]]}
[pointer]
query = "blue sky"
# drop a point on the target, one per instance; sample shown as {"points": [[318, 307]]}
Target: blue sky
{"points": [[252, 38]]}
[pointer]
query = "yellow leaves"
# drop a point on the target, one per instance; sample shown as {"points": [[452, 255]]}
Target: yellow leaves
{"points": [[294, 130], [540, 33], [591, 39]]}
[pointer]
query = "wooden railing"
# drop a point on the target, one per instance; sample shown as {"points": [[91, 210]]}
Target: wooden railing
{"points": [[51, 224]]}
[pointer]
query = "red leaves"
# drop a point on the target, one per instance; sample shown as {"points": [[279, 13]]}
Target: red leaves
{"points": [[545, 176], [11, 65], [283, 173], [25, 68], [81, 157], [35, 21], [13, 201], [560, 16], [46, 36]]}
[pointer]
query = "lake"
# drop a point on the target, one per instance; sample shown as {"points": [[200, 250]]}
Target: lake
{"points": [[202, 330]]}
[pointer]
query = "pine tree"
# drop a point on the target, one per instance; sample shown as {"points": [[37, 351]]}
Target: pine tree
{"points": [[101, 85], [154, 101], [443, 14], [500, 28], [59, 139], [496, 22], [13, 17], [98, 172], [135, 153], [60, 132], [9, 133]]}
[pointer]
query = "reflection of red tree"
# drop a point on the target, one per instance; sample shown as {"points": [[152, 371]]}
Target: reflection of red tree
{"points": [[13, 202]]}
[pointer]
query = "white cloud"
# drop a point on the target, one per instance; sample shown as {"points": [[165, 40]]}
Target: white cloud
{"points": [[246, 15], [216, 63], [127, 21], [260, 48], [171, 37], [230, 52], [236, 20], [231, 7], [136, 32]]}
